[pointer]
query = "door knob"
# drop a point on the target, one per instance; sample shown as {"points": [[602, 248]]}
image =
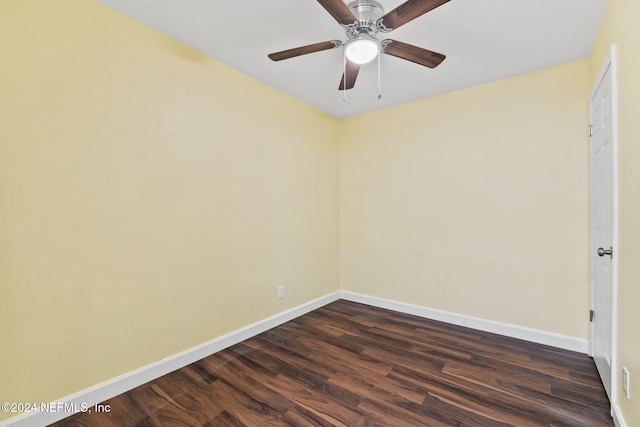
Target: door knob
{"points": [[603, 252]]}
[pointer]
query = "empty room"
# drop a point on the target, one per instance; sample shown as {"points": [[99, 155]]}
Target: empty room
{"points": [[320, 212]]}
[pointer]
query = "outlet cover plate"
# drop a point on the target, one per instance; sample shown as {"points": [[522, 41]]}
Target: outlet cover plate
{"points": [[626, 386]]}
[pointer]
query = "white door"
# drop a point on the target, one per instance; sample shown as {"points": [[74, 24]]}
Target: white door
{"points": [[603, 250]]}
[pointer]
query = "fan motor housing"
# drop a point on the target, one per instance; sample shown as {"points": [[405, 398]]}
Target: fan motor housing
{"points": [[367, 12]]}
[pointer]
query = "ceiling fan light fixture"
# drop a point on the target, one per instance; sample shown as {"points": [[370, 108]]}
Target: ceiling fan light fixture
{"points": [[362, 49]]}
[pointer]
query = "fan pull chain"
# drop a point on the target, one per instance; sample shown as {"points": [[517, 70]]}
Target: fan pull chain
{"points": [[344, 75], [379, 90]]}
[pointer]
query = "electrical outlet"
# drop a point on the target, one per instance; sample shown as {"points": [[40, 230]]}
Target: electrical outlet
{"points": [[626, 382], [280, 292]]}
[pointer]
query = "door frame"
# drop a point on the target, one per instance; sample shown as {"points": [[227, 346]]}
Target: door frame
{"points": [[609, 64]]}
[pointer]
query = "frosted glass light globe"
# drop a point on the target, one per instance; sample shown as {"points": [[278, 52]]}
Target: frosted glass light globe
{"points": [[362, 49]]}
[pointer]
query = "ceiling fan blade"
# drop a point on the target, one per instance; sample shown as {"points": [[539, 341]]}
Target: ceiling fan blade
{"points": [[412, 53], [407, 11], [339, 10], [303, 50], [350, 75]]}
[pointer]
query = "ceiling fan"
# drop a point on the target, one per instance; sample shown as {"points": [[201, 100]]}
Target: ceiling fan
{"points": [[362, 21]]}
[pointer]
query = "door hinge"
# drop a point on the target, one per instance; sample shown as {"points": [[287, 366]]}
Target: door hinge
{"points": [[592, 314], [590, 131]]}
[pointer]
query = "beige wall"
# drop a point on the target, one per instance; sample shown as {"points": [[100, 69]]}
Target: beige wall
{"points": [[474, 202], [151, 199], [620, 26]]}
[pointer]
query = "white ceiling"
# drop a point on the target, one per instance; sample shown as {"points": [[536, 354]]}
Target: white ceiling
{"points": [[484, 40]]}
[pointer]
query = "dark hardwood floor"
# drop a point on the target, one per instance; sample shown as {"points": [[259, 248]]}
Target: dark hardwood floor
{"points": [[349, 364]]}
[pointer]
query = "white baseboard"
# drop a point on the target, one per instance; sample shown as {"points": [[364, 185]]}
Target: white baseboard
{"points": [[616, 413], [514, 331], [111, 388]]}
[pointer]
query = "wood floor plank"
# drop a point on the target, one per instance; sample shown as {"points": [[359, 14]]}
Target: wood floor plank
{"points": [[349, 364], [495, 404]]}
